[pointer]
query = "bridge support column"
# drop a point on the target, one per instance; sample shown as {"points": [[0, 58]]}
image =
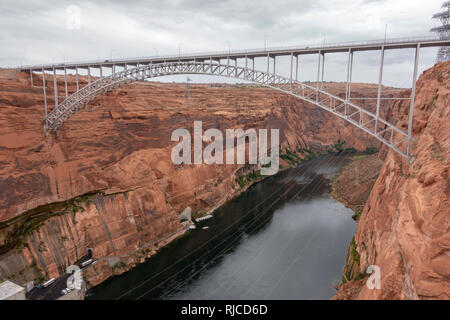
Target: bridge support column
{"points": [[246, 67], [45, 98], [296, 68], [274, 63], [55, 87], [65, 81], [349, 83], [292, 62], [323, 70], [380, 81], [413, 96], [89, 75], [318, 76], [253, 68], [76, 78], [101, 71], [318, 69], [31, 77]]}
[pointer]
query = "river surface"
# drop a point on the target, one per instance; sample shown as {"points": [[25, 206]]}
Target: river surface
{"points": [[284, 238]]}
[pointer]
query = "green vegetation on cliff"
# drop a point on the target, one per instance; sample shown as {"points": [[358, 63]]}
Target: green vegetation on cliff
{"points": [[15, 231]]}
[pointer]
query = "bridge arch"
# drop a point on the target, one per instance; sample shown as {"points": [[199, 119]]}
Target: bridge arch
{"points": [[367, 121]]}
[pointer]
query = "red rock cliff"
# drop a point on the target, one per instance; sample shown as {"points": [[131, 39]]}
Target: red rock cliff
{"points": [[405, 225]]}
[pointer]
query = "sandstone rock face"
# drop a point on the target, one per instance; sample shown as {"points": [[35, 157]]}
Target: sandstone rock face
{"points": [[404, 228], [354, 182], [106, 181]]}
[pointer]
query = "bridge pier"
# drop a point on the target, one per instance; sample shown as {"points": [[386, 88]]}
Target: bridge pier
{"points": [[318, 69], [296, 68], [274, 63], [323, 70], [45, 98], [318, 76], [380, 82], [246, 66], [76, 77], [292, 62], [89, 75], [55, 87], [65, 81], [413, 97], [349, 83]]}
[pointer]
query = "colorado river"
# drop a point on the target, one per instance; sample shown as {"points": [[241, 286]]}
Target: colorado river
{"points": [[284, 238]]}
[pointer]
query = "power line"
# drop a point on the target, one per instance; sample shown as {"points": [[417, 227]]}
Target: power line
{"points": [[202, 246], [231, 238]]}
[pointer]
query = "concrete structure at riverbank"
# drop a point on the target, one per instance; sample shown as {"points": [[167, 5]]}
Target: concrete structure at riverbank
{"points": [[11, 291]]}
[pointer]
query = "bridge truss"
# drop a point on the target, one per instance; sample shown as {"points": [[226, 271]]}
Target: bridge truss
{"points": [[144, 68]]}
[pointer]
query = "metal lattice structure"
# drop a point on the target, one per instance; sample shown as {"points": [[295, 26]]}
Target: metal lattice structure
{"points": [[443, 31], [212, 64], [342, 108]]}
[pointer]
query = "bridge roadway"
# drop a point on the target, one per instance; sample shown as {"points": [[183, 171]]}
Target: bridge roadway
{"points": [[397, 43]]}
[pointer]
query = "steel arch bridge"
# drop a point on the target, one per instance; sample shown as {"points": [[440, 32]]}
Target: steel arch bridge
{"points": [[346, 110], [211, 64]]}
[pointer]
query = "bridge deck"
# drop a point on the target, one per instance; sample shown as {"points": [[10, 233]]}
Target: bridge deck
{"points": [[251, 53]]}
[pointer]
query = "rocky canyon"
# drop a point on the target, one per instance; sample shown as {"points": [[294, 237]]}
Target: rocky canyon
{"points": [[106, 182], [404, 226]]}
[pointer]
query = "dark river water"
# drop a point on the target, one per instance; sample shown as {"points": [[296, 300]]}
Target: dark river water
{"points": [[284, 238]]}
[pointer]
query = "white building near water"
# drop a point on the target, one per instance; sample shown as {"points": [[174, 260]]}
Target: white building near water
{"points": [[11, 291]]}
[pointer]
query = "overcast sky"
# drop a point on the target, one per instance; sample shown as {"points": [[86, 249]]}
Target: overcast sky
{"points": [[40, 31]]}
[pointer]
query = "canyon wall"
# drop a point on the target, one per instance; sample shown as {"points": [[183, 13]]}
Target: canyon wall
{"points": [[405, 225], [106, 181]]}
